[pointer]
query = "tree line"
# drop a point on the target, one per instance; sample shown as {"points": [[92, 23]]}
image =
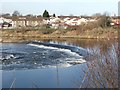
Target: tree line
{"points": [[17, 13]]}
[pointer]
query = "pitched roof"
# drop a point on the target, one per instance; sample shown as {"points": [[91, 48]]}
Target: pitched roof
{"points": [[62, 17], [28, 18]]}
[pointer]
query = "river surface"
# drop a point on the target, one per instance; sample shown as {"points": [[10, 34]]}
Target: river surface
{"points": [[50, 63]]}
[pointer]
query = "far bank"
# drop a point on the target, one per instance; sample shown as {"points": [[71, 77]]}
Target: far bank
{"points": [[22, 35]]}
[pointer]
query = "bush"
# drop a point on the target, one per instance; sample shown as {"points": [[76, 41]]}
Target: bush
{"points": [[47, 30]]}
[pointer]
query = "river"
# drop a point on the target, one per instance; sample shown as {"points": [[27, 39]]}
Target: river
{"points": [[71, 63]]}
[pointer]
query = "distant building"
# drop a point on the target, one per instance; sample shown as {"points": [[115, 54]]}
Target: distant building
{"points": [[60, 22], [24, 21], [115, 21], [5, 23]]}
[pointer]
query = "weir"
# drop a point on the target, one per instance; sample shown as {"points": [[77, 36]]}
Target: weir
{"points": [[79, 50]]}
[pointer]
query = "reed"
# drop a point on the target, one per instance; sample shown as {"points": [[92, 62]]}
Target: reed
{"points": [[102, 70]]}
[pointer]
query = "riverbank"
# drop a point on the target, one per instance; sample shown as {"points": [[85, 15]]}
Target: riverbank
{"points": [[21, 35]]}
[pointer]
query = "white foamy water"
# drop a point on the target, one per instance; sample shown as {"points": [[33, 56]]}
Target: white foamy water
{"points": [[42, 46], [57, 49], [9, 56], [58, 65], [77, 61], [70, 60]]}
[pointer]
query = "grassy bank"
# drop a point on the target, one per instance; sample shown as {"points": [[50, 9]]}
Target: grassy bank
{"points": [[20, 35]]}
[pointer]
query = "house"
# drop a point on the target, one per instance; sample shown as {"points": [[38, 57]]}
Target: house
{"points": [[115, 21], [5, 23], [34, 21], [62, 22], [66, 21], [18, 22], [25, 21]]}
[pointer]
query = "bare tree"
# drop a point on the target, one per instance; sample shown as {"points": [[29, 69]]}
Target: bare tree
{"points": [[6, 15], [96, 14], [30, 15], [104, 21], [16, 13]]}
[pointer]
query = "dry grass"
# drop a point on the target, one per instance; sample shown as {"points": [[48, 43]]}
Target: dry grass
{"points": [[103, 69]]}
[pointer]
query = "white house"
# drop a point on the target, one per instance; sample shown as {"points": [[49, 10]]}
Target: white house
{"points": [[5, 23]]}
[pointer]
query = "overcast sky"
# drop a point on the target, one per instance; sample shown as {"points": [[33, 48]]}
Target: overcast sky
{"points": [[60, 7]]}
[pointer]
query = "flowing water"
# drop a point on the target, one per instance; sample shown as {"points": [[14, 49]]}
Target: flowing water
{"points": [[47, 64]]}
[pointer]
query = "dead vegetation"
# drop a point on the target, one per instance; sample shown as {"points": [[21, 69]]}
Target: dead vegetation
{"points": [[102, 72]]}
